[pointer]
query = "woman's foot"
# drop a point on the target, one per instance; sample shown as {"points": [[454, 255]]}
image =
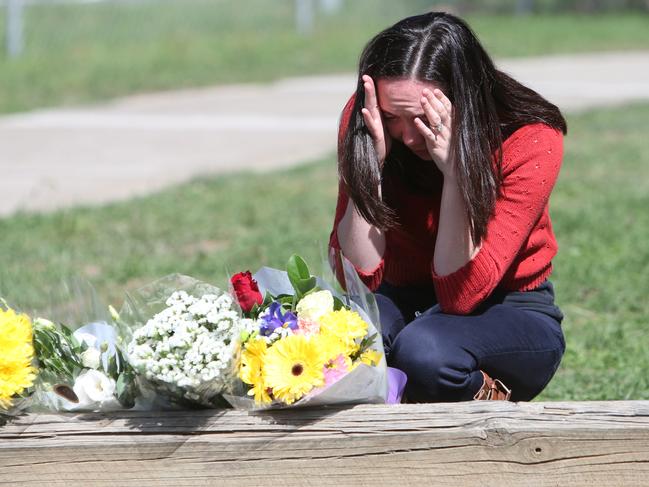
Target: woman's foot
{"points": [[492, 390]]}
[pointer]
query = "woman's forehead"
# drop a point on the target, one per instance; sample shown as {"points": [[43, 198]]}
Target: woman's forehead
{"points": [[401, 94]]}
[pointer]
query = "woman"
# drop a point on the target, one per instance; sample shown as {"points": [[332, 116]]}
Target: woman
{"points": [[446, 166]]}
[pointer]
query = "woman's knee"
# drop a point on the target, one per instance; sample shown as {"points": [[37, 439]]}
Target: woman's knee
{"points": [[438, 368]]}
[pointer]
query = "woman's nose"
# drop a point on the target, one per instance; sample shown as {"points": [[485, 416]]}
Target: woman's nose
{"points": [[410, 135]]}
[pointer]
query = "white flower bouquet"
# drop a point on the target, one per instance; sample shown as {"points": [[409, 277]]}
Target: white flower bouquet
{"points": [[82, 370], [78, 358], [182, 342]]}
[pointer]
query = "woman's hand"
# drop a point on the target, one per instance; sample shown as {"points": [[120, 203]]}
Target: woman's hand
{"points": [[437, 129], [374, 121]]}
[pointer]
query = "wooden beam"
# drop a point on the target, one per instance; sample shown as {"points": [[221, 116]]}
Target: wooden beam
{"points": [[469, 444]]}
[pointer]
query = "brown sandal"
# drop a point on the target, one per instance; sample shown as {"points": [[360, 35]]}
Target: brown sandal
{"points": [[492, 390]]}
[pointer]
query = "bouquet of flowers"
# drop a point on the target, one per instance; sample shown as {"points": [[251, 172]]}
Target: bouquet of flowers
{"points": [[82, 370], [17, 371], [181, 335], [45, 366], [80, 364], [303, 345]]}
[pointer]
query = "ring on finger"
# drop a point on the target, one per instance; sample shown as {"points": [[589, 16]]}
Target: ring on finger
{"points": [[438, 128]]}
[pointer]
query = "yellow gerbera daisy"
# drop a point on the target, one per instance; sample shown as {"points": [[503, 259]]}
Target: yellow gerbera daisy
{"points": [[345, 325], [251, 371], [16, 354], [293, 367]]}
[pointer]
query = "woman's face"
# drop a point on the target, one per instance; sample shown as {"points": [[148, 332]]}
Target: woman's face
{"points": [[400, 103]]}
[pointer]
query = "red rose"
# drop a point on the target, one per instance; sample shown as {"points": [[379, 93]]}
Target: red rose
{"points": [[247, 291]]}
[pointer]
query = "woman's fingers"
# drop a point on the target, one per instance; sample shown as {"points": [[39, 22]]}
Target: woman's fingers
{"points": [[445, 106], [371, 101], [373, 119], [376, 131], [371, 113], [440, 104], [435, 125], [426, 131], [439, 118], [431, 114]]}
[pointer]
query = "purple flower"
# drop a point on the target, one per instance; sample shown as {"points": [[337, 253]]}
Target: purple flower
{"points": [[274, 319]]}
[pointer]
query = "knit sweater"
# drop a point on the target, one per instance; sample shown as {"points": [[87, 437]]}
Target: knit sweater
{"points": [[517, 251]]}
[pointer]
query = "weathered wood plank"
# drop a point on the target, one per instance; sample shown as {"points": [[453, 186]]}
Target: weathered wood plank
{"points": [[471, 444]]}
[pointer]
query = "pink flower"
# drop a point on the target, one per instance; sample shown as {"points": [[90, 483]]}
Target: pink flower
{"points": [[307, 327], [335, 369]]}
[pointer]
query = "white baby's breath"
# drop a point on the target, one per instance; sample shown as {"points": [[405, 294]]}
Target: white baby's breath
{"points": [[191, 344]]}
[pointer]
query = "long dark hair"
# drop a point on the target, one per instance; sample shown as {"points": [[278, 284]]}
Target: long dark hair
{"points": [[488, 106]]}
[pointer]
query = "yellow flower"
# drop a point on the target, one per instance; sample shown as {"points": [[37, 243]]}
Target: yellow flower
{"points": [[251, 371], [345, 325], [331, 346], [293, 367], [16, 354], [371, 357]]}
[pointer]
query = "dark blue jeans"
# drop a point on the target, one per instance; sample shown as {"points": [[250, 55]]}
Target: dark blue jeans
{"points": [[513, 336]]}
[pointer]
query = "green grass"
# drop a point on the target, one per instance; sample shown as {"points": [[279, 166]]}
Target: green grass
{"points": [[599, 211], [210, 228], [505, 36], [207, 229], [81, 53]]}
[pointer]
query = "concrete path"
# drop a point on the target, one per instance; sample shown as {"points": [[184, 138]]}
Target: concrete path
{"points": [[132, 146]]}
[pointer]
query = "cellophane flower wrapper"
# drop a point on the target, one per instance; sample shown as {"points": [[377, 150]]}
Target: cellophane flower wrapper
{"points": [[19, 406], [81, 364], [160, 390], [365, 383]]}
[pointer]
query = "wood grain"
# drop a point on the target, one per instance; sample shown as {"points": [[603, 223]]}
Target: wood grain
{"points": [[469, 444]]}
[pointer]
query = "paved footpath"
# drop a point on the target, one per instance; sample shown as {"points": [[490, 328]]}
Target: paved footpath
{"points": [[136, 145]]}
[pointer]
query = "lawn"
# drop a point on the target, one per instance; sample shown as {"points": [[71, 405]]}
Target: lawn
{"points": [[86, 52], [210, 228]]}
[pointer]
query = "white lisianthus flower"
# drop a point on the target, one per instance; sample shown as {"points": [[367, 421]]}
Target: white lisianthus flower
{"points": [[87, 338], [91, 358], [94, 390], [314, 306]]}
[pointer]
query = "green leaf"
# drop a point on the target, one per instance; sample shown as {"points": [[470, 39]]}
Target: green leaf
{"points": [[315, 289], [126, 390], [338, 304], [112, 366], [299, 275], [120, 386], [365, 344], [297, 268]]}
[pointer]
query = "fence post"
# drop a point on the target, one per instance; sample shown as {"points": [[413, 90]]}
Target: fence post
{"points": [[304, 16], [331, 6], [524, 7], [14, 28]]}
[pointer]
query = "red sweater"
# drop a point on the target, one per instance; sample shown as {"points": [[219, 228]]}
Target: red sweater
{"points": [[517, 251]]}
